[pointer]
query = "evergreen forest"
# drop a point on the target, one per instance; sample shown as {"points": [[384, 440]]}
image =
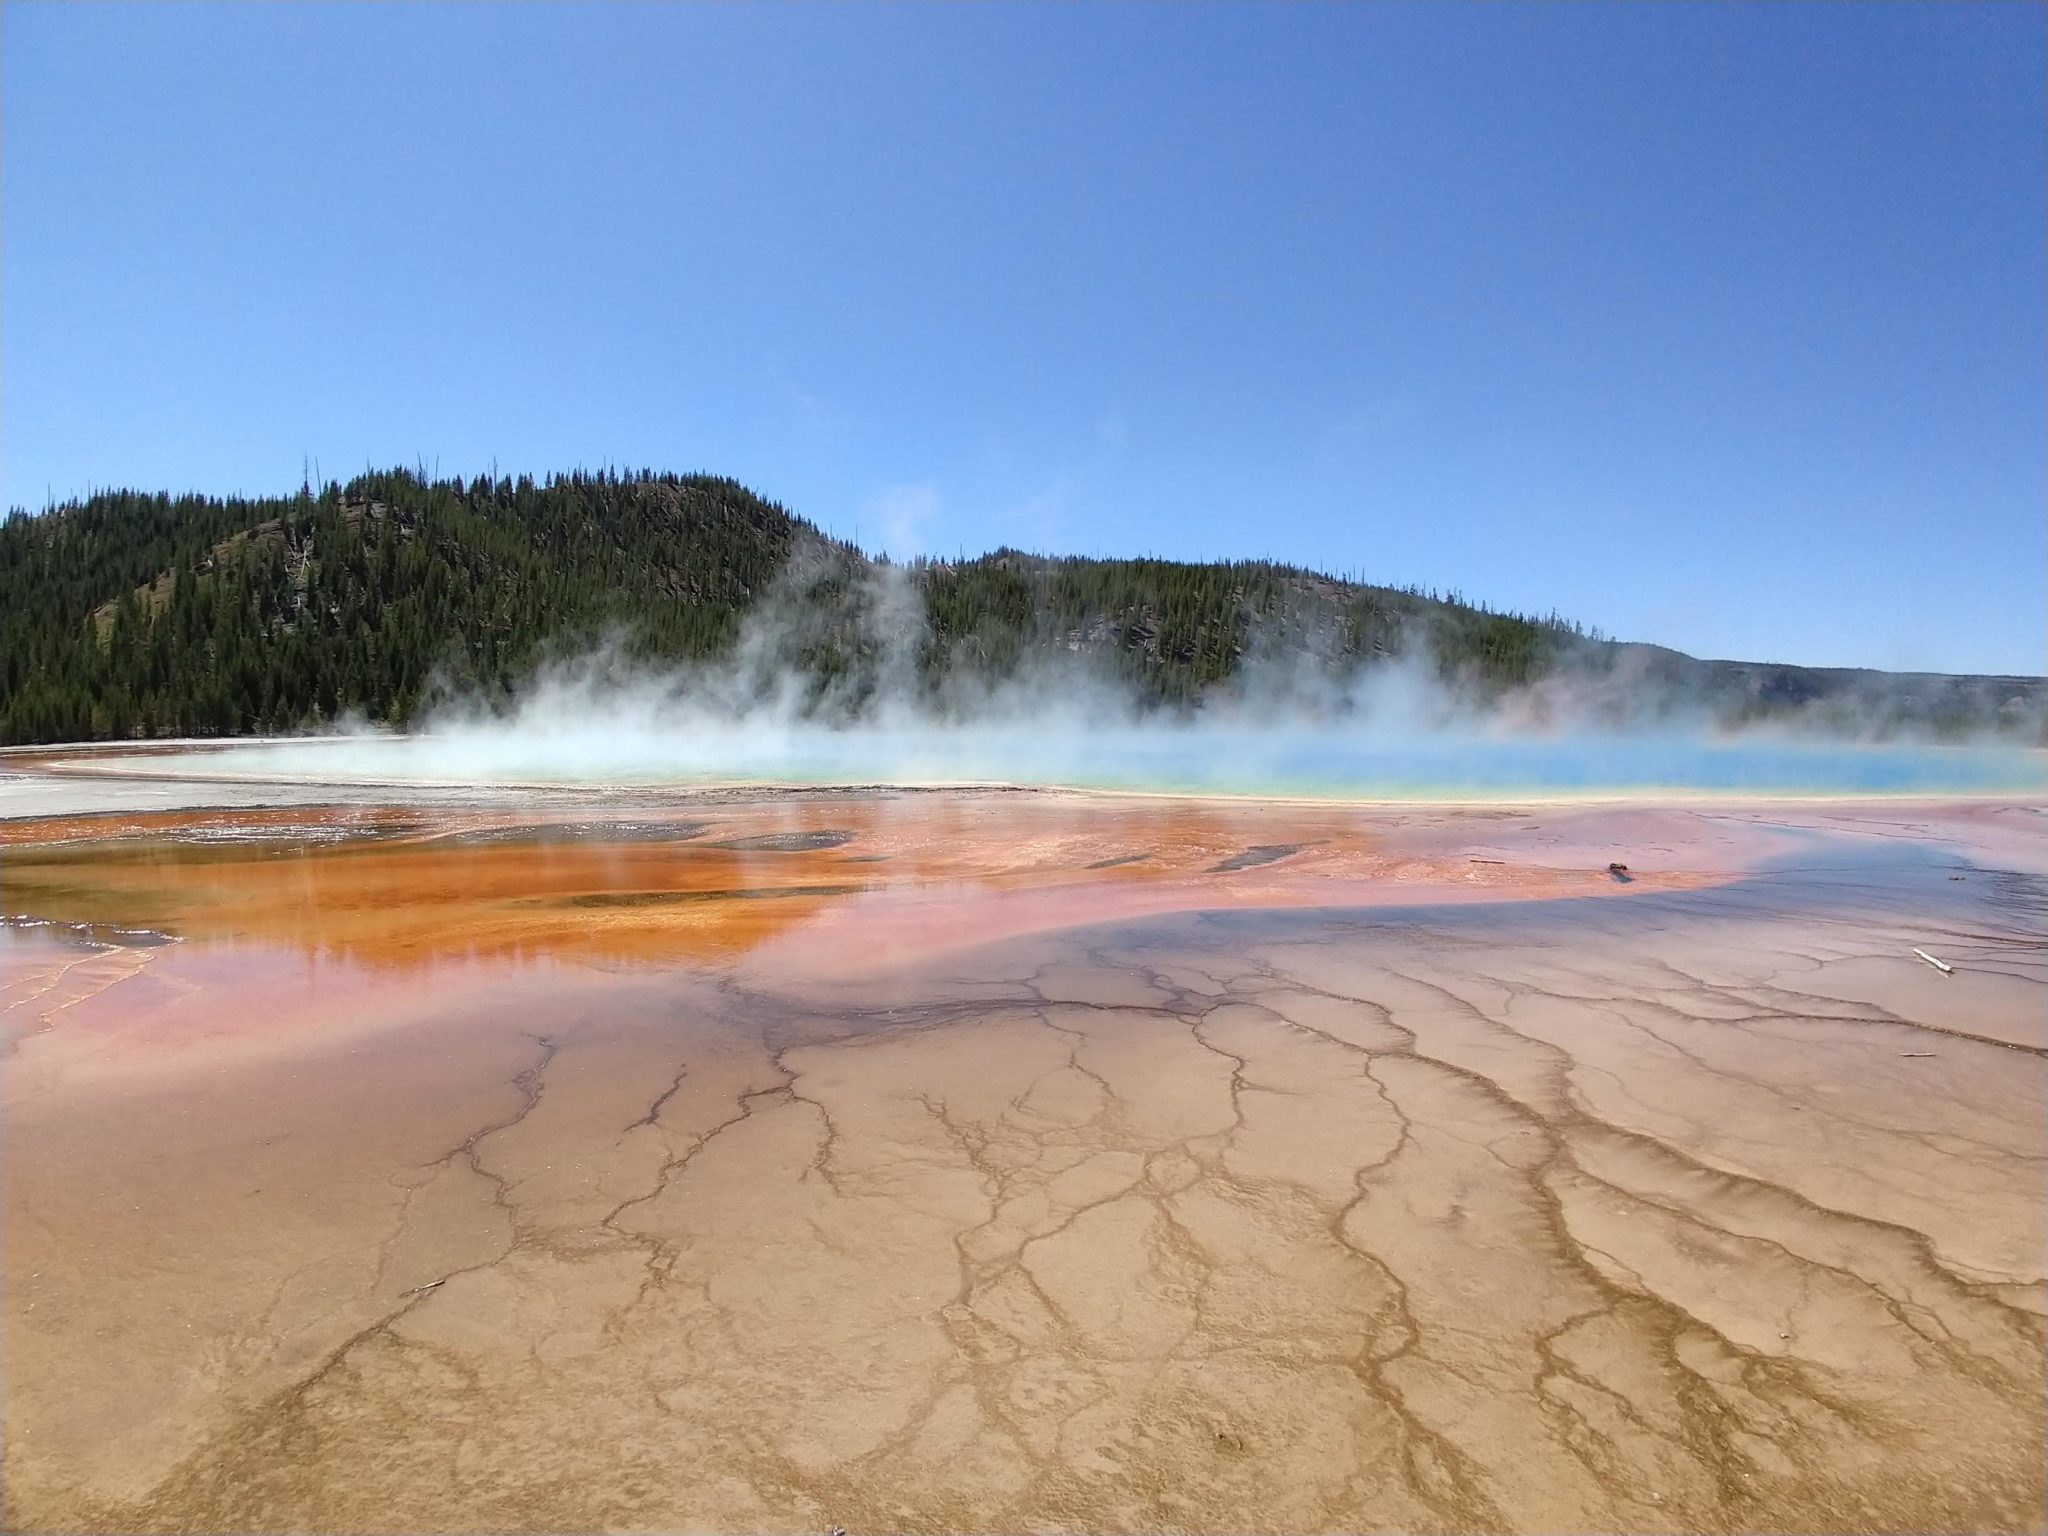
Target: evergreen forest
{"points": [[130, 614]]}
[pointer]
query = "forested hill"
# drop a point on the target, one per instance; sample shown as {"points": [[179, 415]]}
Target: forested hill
{"points": [[132, 614]]}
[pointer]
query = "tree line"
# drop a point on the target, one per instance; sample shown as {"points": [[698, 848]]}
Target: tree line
{"points": [[135, 615]]}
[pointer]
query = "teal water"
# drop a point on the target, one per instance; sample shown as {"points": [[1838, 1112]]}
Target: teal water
{"points": [[1303, 761]]}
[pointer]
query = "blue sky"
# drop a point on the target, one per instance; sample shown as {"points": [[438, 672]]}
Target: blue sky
{"points": [[1719, 325]]}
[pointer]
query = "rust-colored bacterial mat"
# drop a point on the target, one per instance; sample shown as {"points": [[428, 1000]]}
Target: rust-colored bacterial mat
{"points": [[989, 1161]]}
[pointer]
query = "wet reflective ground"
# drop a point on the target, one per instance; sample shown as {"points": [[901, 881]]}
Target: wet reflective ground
{"points": [[1004, 1161]]}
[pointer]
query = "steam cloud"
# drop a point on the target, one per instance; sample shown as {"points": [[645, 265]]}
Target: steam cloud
{"points": [[1286, 723]]}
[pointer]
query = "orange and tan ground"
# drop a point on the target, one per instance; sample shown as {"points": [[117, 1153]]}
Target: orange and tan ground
{"points": [[1005, 1162]]}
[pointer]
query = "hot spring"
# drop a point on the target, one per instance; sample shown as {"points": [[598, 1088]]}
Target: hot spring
{"points": [[1210, 759]]}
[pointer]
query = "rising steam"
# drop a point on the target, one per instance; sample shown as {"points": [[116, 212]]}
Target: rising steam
{"points": [[1287, 722]]}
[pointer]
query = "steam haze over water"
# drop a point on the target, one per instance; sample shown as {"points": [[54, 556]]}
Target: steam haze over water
{"points": [[1193, 758], [1284, 725]]}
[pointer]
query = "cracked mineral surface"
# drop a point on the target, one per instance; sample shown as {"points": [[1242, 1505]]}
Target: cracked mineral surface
{"points": [[986, 1162]]}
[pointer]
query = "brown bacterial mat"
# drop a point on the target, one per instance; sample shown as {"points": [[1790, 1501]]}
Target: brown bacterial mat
{"points": [[1003, 1162]]}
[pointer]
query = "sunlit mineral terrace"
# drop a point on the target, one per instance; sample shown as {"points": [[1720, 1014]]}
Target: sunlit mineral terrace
{"points": [[384, 1159]]}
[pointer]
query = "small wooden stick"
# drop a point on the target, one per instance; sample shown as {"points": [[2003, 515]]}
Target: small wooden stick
{"points": [[1915, 1054], [1946, 970]]}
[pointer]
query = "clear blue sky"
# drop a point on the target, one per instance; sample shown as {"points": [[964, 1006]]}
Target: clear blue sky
{"points": [[1719, 325]]}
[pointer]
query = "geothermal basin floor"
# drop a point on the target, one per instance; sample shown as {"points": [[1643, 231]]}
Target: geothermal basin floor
{"points": [[996, 1162]]}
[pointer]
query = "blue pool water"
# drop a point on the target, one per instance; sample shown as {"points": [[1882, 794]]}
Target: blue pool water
{"points": [[1301, 761]]}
